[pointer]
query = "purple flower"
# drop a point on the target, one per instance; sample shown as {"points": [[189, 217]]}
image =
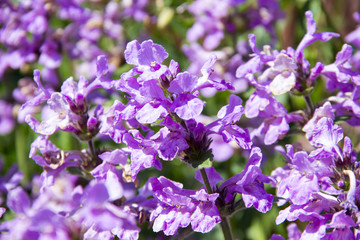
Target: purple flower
{"points": [[112, 123], [325, 136], [172, 139], [276, 122], [143, 152], [299, 182], [135, 9], [226, 127], [43, 94], [178, 207], [221, 150], [97, 213], [250, 184], [208, 22], [311, 36], [288, 69], [265, 14], [68, 109], [352, 103], [324, 111], [283, 73], [341, 71], [52, 159], [7, 121], [206, 215], [33, 223], [145, 54], [11, 179], [258, 59], [50, 56]]}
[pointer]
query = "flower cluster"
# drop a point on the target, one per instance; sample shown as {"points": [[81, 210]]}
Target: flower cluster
{"points": [[42, 33], [118, 146]]}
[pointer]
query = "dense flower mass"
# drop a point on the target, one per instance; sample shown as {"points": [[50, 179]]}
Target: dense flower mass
{"points": [[112, 109]]}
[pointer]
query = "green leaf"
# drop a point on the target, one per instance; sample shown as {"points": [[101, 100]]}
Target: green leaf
{"points": [[206, 164]]}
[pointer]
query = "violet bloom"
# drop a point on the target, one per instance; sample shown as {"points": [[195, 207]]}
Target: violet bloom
{"points": [[143, 152], [299, 182], [250, 184], [326, 136], [98, 214], [221, 150], [226, 124], [222, 72], [353, 36], [148, 99], [53, 160], [68, 108], [186, 105], [157, 90], [178, 207], [286, 66], [209, 15], [311, 35], [283, 72], [265, 14], [11, 179], [144, 54], [276, 122], [172, 139], [43, 94], [7, 121], [351, 103], [198, 56], [32, 222], [324, 111], [135, 9], [340, 72], [325, 194], [110, 174]]}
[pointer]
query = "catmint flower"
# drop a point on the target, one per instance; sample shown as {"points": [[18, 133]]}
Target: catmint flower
{"points": [[330, 204], [287, 67], [324, 111], [143, 152], [311, 35], [7, 121], [33, 222], [283, 70], [326, 135], [250, 183], [68, 110], [226, 124], [11, 179], [178, 207], [97, 213], [340, 72], [208, 12], [276, 122]]}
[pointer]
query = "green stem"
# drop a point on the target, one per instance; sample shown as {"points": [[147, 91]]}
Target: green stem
{"points": [[183, 233], [92, 150], [309, 104], [225, 225], [206, 180], [231, 210], [20, 144]]}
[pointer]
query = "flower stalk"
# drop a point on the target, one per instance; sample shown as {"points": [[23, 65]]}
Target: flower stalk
{"points": [[225, 224], [309, 104], [92, 150]]}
